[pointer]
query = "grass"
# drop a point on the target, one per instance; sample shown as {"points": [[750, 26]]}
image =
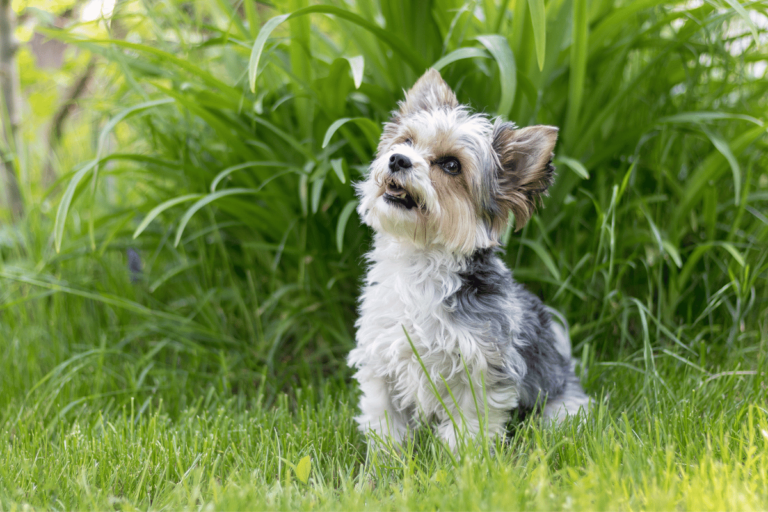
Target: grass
{"points": [[112, 427], [215, 151]]}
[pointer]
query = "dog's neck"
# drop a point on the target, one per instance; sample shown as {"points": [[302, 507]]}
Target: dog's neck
{"points": [[409, 254]]}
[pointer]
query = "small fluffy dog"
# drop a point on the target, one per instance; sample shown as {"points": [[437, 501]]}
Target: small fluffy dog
{"points": [[438, 197]]}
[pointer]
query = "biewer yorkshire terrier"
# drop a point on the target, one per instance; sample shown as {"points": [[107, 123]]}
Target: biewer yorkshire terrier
{"points": [[438, 196]]}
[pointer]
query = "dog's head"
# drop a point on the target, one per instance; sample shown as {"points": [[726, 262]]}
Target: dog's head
{"points": [[445, 176]]}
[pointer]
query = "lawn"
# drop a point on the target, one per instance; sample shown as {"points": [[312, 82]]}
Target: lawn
{"points": [[177, 297]]}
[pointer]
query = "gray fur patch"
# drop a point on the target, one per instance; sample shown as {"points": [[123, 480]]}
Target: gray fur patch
{"points": [[528, 357]]}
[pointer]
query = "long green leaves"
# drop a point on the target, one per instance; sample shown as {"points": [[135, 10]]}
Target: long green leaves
{"points": [[370, 129], [245, 169], [460, 54], [357, 65], [157, 210], [499, 48], [413, 60], [536, 8], [258, 47], [342, 224], [579, 52], [66, 202]]}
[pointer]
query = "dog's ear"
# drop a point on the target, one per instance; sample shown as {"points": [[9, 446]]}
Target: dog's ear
{"points": [[430, 92], [526, 170]]}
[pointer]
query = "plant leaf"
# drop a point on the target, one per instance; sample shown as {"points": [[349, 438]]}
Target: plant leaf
{"points": [[303, 468], [542, 253], [342, 224], [499, 48], [338, 167], [697, 117], [578, 66], [745, 15], [205, 200], [317, 190], [574, 165], [333, 128], [229, 170], [66, 201], [163, 56], [172, 272], [357, 65], [461, 53], [157, 210], [736, 254], [122, 115], [724, 149], [695, 256], [258, 47], [539, 29], [672, 251], [709, 169], [370, 129], [406, 53]]}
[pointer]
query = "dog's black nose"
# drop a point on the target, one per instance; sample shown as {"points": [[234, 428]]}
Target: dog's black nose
{"points": [[398, 161]]}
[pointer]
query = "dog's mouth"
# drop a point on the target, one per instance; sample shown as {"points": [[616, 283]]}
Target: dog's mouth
{"points": [[398, 196]]}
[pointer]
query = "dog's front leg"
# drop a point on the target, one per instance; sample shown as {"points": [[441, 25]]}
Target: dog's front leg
{"points": [[466, 422], [379, 416]]}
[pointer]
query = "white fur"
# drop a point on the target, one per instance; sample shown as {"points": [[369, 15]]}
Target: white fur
{"points": [[405, 288], [571, 402]]}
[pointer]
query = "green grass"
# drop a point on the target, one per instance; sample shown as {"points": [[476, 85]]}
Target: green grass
{"points": [[123, 425], [206, 379]]}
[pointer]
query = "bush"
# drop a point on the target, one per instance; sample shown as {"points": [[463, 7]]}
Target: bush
{"points": [[240, 167]]}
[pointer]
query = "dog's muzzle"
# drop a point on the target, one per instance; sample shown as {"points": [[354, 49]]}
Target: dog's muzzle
{"points": [[396, 194]]}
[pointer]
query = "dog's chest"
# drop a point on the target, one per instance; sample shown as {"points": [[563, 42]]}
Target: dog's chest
{"points": [[408, 295]]}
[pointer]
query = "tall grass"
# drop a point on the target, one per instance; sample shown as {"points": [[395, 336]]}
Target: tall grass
{"points": [[227, 154], [248, 125]]}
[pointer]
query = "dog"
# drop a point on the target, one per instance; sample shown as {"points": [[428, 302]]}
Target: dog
{"points": [[445, 336]]}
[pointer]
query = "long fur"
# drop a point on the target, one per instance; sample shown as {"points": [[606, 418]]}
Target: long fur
{"points": [[435, 273]]}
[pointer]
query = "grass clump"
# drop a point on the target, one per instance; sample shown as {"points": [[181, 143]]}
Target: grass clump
{"points": [[204, 375]]}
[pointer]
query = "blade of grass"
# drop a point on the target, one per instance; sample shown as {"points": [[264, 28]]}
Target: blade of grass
{"points": [[574, 165], [66, 202], [578, 67], [341, 226], [357, 65], [157, 210], [499, 47], [371, 130], [461, 54], [536, 8]]}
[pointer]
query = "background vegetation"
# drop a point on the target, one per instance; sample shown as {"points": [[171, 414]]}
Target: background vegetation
{"points": [[178, 298]]}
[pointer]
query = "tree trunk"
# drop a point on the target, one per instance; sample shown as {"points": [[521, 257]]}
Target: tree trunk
{"points": [[9, 111]]}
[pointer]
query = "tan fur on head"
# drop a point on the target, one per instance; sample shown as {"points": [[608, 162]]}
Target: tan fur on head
{"points": [[526, 170], [501, 170], [457, 221]]}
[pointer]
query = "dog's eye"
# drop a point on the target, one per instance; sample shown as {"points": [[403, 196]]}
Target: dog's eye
{"points": [[450, 165], [409, 141]]}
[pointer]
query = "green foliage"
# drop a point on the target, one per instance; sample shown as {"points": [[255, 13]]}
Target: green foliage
{"points": [[225, 155], [274, 165], [135, 435]]}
